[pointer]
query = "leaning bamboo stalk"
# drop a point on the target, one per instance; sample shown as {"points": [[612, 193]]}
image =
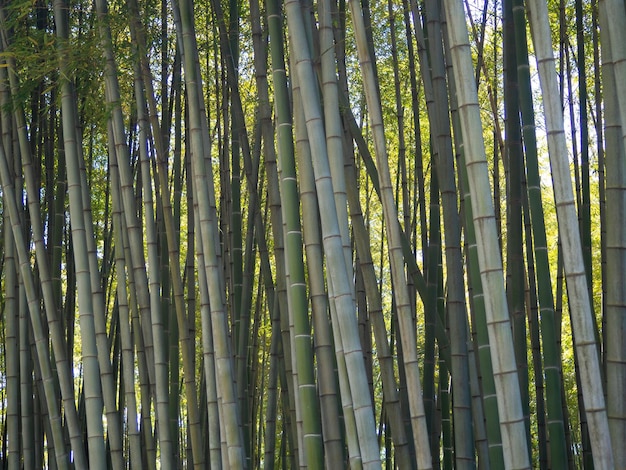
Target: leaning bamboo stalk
{"points": [[321, 302], [55, 328], [579, 302], [204, 193], [128, 358], [148, 300], [312, 243], [332, 122], [41, 343], [336, 264], [391, 399], [503, 358], [401, 294]]}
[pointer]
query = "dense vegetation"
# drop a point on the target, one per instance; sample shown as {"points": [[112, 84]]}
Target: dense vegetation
{"points": [[312, 234]]}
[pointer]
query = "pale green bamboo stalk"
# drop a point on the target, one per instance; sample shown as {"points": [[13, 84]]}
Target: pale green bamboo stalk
{"points": [[339, 280], [41, 342], [161, 363], [56, 334], [208, 230], [93, 392], [401, 295], [101, 340], [503, 359], [11, 304], [579, 303], [208, 354], [128, 357], [148, 450], [391, 399], [332, 123], [171, 237], [488, 446], [320, 299], [615, 242]]}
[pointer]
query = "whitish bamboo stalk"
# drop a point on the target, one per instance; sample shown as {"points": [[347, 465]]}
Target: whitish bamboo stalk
{"points": [[204, 193], [93, 391], [394, 236], [615, 315], [319, 298], [41, 342], [338, 272], [128, 357], [578, 294], [54, 325], [502, 355]]}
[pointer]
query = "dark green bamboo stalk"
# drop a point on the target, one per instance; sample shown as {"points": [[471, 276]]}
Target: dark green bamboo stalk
{"points": [[549, 324], [514, 243]]}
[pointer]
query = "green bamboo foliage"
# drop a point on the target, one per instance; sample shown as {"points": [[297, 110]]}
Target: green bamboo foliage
{"points": [[505, 373], [578, 294]]}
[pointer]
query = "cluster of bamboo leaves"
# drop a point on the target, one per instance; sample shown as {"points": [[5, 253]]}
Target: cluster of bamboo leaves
{"points": [[312, 234]]}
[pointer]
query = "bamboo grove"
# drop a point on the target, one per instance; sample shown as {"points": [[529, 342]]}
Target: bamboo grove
{"points": [[353, 234]]}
